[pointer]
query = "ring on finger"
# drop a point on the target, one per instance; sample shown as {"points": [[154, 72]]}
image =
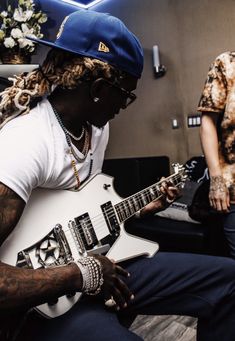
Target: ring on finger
{"points": [[169, 201], [110, 302]]}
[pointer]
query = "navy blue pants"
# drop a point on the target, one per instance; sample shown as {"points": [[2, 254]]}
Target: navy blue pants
{"points": [[229, 229], [169, 283]]}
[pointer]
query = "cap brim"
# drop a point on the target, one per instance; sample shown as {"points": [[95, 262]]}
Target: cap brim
{"points": [[44, 42], [56, 46]]}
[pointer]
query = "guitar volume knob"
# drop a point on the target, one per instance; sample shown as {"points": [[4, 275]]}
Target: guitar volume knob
{"points": [[106, 186]]}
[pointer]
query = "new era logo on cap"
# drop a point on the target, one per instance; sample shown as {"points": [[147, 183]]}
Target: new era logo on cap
{"points": [[103, 48]]}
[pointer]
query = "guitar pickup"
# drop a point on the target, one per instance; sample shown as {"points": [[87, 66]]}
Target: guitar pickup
{"points": [[111, 218], [86, 231]]}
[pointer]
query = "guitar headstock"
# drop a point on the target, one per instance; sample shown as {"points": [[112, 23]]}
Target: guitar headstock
{"points": [[181, 172]]}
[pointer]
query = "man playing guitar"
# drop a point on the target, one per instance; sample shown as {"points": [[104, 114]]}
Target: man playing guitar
{"points": [[53, 135]]}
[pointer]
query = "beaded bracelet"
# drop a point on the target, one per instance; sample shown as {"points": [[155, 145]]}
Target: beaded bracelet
{"points": [[92, 275]]}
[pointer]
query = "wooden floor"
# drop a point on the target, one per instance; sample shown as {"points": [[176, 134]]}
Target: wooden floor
{"points": [[165, 328]]}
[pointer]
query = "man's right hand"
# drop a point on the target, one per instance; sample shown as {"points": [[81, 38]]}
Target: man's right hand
{"points": [[219, 194], [114, 286]]}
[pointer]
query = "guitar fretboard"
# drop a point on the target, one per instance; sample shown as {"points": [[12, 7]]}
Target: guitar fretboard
{"points": [[129, 206]]}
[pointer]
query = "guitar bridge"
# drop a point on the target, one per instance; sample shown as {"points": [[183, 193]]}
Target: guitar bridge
{"points": [[53, 250]]}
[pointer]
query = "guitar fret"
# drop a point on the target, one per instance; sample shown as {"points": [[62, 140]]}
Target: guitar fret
{"points": [[123, 210], [156, 191], [120, 215], [136, 204], [137, 201], [126, 208], [152, 193], [143, 198], [131, 205], [148, 195]]}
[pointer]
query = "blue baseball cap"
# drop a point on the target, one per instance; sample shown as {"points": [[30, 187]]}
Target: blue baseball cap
{"points": [[101, 36]]}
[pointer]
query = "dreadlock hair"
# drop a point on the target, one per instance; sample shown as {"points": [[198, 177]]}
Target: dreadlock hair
{"points": [[60, 68]]}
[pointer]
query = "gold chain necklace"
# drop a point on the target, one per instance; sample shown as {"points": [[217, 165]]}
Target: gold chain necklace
{"points": [[85, 148]]}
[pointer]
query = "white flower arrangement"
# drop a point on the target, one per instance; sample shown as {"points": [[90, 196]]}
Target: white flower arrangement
{"points": [[18, 23]]}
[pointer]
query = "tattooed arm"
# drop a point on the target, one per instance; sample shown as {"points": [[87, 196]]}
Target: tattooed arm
{"points": [[11, 208], [24, 288], [218, 196]]}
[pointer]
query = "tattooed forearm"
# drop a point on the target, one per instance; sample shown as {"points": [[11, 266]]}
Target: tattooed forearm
{"points": [[11, 208], [25, 288], [217, 184]]}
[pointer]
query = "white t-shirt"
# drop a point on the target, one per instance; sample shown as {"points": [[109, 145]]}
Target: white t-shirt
{"points": [[34, 153]]}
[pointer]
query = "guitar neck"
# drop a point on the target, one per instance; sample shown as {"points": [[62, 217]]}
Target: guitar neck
{"points": [[129, 206]]}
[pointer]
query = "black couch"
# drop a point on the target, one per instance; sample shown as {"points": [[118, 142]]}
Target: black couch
{"points": [[133, 174]]}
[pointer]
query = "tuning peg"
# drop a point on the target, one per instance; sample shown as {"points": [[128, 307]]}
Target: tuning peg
{"points": [[177, 167]]}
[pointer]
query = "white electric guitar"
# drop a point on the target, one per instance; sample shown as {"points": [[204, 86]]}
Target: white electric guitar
{"points": [[56, 228]]}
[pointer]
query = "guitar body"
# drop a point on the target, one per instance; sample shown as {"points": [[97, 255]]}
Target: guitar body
{"points": [[56, 227]]}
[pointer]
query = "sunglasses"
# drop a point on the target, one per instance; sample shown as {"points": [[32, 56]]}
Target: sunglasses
{"points": [[130, 97]]}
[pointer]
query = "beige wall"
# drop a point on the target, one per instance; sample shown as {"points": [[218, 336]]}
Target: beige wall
{"points": [[190, 34]]}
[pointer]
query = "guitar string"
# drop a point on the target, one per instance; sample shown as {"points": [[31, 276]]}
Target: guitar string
{"points": [[82, 234], [144, 193], [96, 219], [74, 246], [99, 218], [139, 198], [130, 209], [111, 210]]}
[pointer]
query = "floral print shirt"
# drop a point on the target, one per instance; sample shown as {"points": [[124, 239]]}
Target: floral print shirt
{"points": [[218, 96]]}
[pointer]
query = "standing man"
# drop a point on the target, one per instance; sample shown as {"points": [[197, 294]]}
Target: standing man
{"points": [[217, 105], [58, 142]]}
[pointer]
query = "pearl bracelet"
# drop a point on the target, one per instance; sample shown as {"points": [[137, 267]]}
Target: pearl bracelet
{"points": [[92, 275]]}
